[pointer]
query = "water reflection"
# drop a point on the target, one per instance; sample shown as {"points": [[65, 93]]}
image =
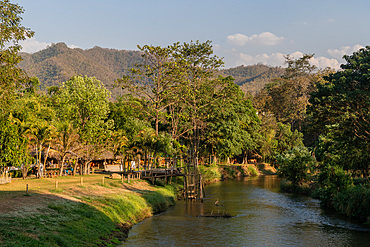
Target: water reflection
{"points": [[263, 217]]}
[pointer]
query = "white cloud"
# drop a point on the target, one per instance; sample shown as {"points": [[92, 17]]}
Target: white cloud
{"points": [[216, 47], [265, 39], [344, 50], [32, 45], [73, 46], [324, 62], [275, 59], [238, 39], [278, 59]]}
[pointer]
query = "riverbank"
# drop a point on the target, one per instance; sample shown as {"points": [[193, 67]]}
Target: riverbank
{"points": [[77, 211], [214, 172], [352, 202], [90, 210]]}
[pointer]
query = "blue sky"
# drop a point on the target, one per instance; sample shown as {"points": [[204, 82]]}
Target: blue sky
{"points": [[242, 32]]}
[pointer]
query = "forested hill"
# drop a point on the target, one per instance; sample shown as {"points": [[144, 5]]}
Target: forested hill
{"points": [[58, 63], [252, 78]]}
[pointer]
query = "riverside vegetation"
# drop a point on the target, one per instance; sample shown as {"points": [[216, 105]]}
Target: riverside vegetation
{"points": [[175, 102]]}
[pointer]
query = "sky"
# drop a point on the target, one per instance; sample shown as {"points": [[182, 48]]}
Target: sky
{"points": [[243, 32]]}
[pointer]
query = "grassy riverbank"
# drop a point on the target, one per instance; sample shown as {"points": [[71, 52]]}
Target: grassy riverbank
{"points": [[88, 210], [351, 202], [75, 212], [216, 172]]}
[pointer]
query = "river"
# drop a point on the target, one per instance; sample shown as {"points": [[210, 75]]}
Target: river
{"points": [[263, 217]]}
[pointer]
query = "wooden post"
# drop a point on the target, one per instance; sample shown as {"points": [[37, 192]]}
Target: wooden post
{"points": [[27, 189], [122, 177], [81, 181], [56, 184], [103, 180], [201, 187], [185, 188], [128, 177]]}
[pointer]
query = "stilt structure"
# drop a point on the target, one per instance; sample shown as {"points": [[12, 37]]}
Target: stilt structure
{"points": [[193, 183]]}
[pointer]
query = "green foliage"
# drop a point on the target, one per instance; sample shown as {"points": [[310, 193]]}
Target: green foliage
{"points": [[296, 165], [332, 179], [353, 202], [11, 32], [13, 146], [210, 173], [232, 123], [276, 138], [252, 171], [286, 97], [340, 112]]}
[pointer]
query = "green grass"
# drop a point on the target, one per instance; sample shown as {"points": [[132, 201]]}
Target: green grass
{"points": [[95, 220]]}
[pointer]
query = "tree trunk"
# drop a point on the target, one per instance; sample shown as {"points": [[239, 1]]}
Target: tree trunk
{"points": [[46, 157], [61, 167]]}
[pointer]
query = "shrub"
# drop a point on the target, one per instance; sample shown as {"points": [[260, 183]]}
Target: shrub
{"points": [[296, 165], [331, 180], [353, 202]]}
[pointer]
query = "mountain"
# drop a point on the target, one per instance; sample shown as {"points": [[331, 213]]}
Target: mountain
{"points": [[58, 63], [253, 78]]}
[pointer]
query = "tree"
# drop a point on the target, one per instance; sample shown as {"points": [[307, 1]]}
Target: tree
{"points": [[340, 109], [11, 32], [232, 123], [197, 88], [66, 142], [41, 134], [13, 145], [152, 80], [84, 102], [296, 165], [287, 97]]}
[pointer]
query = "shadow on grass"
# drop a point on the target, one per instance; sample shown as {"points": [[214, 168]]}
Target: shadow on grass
{"points": [[50, 220]]}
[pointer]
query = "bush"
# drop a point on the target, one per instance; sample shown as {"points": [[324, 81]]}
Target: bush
{"points": [[210, 173], [296, 165], [252, 171], [353, 202], [332, 179]]}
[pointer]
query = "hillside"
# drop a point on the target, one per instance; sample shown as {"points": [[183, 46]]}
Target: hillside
{"points": [[58, 63], [252, 78]]}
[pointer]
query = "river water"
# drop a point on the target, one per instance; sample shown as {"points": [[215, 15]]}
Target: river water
{"points": [[263, 217]]}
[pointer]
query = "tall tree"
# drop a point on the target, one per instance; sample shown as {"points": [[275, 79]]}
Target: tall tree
{"points": [[84, 102], [341, 109], [232, 123], [152, 80], [198, 87], [287, 97], [11, 32]]}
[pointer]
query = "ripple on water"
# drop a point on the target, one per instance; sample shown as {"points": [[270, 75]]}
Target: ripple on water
{"points": [[263, 217]]}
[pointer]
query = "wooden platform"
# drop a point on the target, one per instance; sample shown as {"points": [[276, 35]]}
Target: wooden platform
{"points": [[153, 174]]}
